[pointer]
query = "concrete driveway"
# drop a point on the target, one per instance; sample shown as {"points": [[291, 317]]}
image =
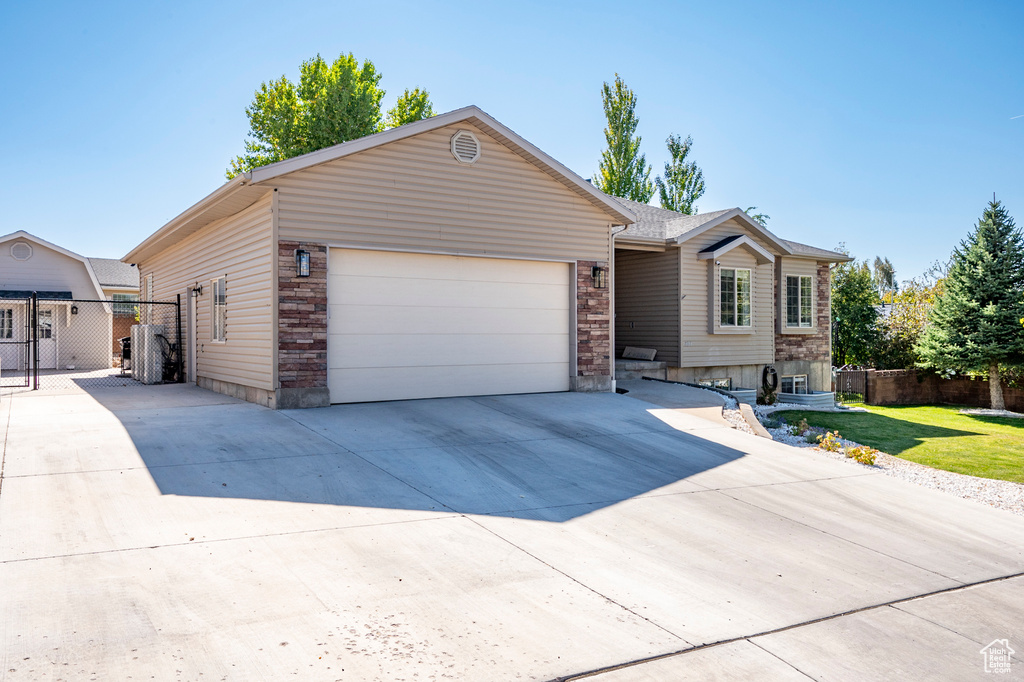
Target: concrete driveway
{"points": [[173, 533]]}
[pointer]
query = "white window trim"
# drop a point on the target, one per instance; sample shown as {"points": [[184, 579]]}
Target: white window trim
{"points": [[213, 311], [7, 328], [736, 311], [799, 300], [794, 377]]}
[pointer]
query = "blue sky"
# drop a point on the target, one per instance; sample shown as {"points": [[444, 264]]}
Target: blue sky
{"points": [[884, 125]]}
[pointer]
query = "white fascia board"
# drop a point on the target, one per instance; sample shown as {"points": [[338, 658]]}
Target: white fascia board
{"points": [[762, 254], [203, 204], [338, 151], [748, 222], [22, 234]]}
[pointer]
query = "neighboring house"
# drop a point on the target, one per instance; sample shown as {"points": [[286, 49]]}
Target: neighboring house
{"points": [[66, 339], [720, 297], [445, 257], [120, 283]]}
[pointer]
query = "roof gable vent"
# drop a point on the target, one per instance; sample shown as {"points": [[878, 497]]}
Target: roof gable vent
{"points": [[465, 147], [21, 251]]}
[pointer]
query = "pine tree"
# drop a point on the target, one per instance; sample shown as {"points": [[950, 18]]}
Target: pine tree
{"points": [[623, 171], [974, 325], [684, 181]]}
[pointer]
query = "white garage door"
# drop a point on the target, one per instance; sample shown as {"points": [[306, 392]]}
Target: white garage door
{"points": [[408, 325]]}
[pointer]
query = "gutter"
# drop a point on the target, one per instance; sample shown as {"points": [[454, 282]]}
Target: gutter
{"points": [[229, 187]]}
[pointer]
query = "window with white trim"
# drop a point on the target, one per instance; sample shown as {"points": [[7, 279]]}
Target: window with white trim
{"points": [[734, 297], [219, 318], [6, 323], [126, 305], [793, 384], [799, 301]]}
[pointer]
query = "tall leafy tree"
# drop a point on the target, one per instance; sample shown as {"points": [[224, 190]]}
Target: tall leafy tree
{"points": [[901, 327], [332, 103], [683, 183], [623, 171], [412, 105], [854, 314], [884, 275], [974, 325], [759, 218]]}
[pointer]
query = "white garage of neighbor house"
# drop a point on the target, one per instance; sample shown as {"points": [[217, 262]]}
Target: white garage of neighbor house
{"points": [[66, 339], [446, 257]]}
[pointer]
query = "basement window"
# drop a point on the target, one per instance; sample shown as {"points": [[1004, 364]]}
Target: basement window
{"points": [[794, 384], [724, 384]]}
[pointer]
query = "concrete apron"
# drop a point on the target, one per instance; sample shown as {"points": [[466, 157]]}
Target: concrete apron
{"points": [[179, 532]]}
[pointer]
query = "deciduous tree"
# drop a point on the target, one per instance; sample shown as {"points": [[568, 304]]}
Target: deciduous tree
{"points": [[854, 313], [623, 171], [683, 183], [412, 105]]}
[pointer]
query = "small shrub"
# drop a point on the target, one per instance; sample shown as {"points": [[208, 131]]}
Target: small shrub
{"points": [[773, 421], [814, 434], [830, 441], [862, 454], [767, 397], [800, 428]]}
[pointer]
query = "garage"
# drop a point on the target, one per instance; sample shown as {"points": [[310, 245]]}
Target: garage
{"points": [[412, 325]]}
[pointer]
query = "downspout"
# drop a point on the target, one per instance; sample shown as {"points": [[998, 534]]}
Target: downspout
{"points": [[611, 299]]}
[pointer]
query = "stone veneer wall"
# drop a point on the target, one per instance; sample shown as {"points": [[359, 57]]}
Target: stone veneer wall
{"points": [[593, 329], [302, 328], [809, 347]]}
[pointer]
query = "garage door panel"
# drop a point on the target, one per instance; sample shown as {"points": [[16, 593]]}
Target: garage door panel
{"points": [[445, 293], [402, 383], [421, 320], [404, 326], [389, 350], [384, 264]]}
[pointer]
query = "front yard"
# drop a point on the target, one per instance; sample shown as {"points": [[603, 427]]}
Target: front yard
{"points": [[934, 435]]}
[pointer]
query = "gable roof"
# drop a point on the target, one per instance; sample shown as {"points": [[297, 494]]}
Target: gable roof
{"points": [[22, 234], [111, 272], [672, 227], [245, 189], [724, 246]]}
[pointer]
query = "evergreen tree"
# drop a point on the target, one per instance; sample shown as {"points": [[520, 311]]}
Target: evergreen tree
{"points": [[974, 325], [623, 171], [684, 181]]}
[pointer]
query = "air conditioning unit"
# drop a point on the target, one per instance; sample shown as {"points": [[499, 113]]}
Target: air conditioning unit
{"points": [[147, 353]]}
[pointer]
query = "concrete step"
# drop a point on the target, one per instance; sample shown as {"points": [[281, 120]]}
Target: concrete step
{"points": [[626, 370]]}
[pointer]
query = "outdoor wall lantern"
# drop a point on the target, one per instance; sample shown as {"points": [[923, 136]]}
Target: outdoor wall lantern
{"points": [[197, 290], [600, 277], [302, 263], [74, 310]]}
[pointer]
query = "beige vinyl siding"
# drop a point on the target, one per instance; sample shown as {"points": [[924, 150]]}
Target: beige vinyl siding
{"points": [[796, 266], [700, 307], [46, 270], [240, 248], [412, 195], [647, 302]]}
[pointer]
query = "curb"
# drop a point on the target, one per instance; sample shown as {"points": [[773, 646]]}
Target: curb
{"points": [[748, 413]]}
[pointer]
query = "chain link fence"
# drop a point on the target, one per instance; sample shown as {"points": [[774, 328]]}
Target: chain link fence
{"points": [[90, 343]]}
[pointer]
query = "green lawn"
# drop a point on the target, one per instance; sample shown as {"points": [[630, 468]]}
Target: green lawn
{"points": [[935, 435]]}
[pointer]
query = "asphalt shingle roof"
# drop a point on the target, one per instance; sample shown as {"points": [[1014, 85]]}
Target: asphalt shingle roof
{"points": [[113, 273]]}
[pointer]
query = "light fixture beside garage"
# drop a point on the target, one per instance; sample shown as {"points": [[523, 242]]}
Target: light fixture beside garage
{"points": [[600, 277], [465, 147], [301, 263]]}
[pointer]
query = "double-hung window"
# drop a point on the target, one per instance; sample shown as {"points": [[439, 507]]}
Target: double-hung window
{"points": [[6, 323], [220, 310], [734, 297], [126, 305], [798, 301]]}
